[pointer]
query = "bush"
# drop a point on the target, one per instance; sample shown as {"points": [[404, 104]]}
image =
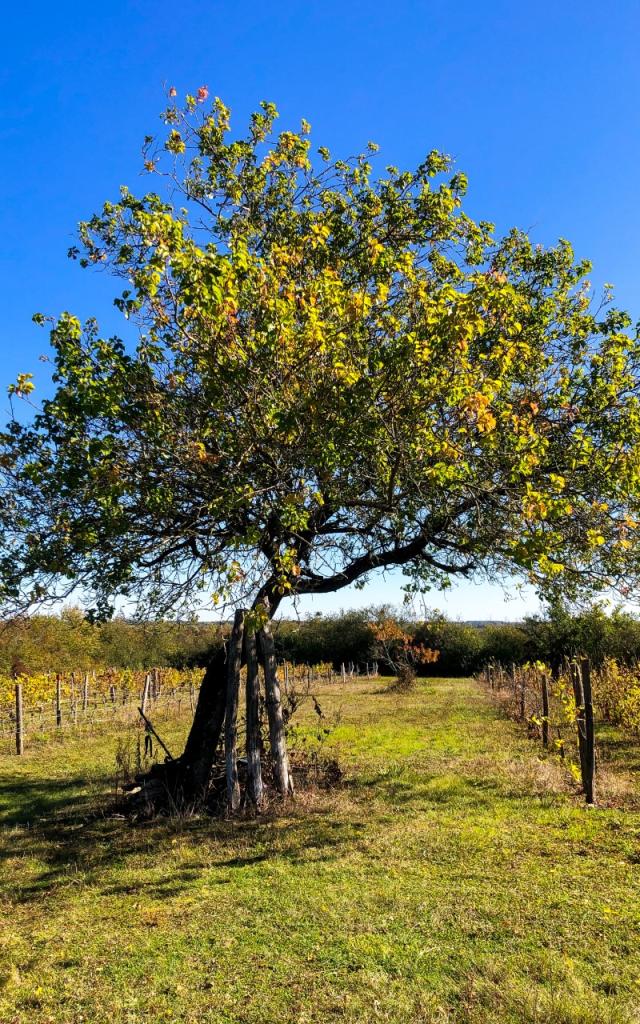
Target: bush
{"points": [[405, 679]]}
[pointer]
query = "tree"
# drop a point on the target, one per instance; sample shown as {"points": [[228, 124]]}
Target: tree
{"points": [[41, 643], [398, 649], [339, 638], [331, 372], [460, 644]]}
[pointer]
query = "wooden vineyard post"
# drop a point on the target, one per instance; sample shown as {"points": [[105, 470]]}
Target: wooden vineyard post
{"points": [[284, 782], [85, 692], [254, 768], [578, 694], [72, 699], [19, 721], [234, 661], [58, 702], [523, 695], [545, 709], [145, 692], [589, 745]]}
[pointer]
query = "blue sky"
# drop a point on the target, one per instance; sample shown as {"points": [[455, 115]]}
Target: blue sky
{"points": [[538, 102]]}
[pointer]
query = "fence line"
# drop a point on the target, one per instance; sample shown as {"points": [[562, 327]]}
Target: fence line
{"points": [[556, 713], [71, 705], [64, 716]]}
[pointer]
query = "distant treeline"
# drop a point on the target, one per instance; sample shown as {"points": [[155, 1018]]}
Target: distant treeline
{"points": [[464, 647], [65, 642], [68, 641]]}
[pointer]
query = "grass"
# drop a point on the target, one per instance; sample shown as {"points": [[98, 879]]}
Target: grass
{"points": [[456, 877]]}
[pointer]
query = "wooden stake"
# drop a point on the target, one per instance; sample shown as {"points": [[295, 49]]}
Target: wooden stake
{"points": [[234, 661], [578, 694], [254, 768], [154, 733], [19, 721], [145, 692], [589, 746], [283, 780]]}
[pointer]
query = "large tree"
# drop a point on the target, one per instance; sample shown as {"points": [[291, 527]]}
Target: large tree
{"points": [[335, 370]]}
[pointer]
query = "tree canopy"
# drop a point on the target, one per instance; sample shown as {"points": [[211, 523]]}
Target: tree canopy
{"points": [[335, 370]]}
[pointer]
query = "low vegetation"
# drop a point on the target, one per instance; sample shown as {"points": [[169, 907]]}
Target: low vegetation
{"points": [[454, 876]]}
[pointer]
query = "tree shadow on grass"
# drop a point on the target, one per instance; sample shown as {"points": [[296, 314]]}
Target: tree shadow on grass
{"points": [[68, 833], [25, 802], [66, 830], [618, 750]]}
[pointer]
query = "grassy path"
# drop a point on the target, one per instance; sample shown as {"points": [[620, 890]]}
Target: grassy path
{"points": [[453, 879]]}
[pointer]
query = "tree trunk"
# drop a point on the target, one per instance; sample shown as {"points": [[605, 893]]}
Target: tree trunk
{"points": [[193, 769], [187, 779], [282, 775], [234, 661], [254, 769]]}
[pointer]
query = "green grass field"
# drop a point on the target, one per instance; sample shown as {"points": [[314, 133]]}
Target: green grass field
{"points": [[455, 877]]}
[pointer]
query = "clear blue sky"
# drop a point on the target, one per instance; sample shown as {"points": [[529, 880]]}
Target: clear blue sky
{"points": [[538, 102]]}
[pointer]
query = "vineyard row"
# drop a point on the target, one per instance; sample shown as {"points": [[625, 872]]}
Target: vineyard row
{"points": [[46, 706], [561, 707]]}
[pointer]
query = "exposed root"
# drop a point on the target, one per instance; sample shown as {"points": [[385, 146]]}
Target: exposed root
{"points": [[158, 792]]}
